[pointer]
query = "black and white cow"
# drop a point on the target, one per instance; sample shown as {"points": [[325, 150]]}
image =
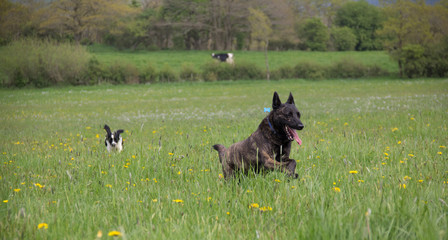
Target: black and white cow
{"points": [[223, 57]]}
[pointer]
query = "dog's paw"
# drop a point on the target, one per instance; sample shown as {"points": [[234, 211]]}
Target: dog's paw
{"points": [[295, 175]]}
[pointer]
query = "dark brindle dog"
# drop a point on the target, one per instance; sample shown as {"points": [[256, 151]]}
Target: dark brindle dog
{"points": [[269, 146]]}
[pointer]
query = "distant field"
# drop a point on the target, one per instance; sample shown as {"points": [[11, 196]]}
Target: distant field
{"points": [[373, 164], [175, 59]]}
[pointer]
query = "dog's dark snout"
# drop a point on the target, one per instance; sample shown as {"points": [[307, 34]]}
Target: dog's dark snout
{"points": [[300, 127]]}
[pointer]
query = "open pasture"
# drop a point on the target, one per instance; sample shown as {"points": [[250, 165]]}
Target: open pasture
{"points": [[277, 59], [373, 163]]}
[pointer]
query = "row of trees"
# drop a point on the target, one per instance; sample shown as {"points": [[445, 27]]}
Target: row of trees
{"points": [[407, 29], [224, 24]]}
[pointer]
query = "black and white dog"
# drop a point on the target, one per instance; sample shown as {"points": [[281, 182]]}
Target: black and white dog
{"points": [[223, 57], [113, 141]]}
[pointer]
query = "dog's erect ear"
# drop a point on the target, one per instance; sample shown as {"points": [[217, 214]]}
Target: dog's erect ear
{"points": [[276, 101], [119, 132], [290, 99], [107, 128]]}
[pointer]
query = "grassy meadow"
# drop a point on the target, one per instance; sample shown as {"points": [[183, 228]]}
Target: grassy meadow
{"points": [[373, 164], [277, 59]]}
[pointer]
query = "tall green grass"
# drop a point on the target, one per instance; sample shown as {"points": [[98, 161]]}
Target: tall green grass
{"points": [[373, 163]]}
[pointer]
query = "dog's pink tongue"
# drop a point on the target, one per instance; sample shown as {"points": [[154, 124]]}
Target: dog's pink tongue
{"points": [[295, 136]]}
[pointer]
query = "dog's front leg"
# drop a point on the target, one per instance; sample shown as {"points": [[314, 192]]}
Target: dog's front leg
{"points": [[287, 166], [285, 151]]}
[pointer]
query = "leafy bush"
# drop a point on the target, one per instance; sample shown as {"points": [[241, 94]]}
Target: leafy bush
{"points": [[343, 39], [284, 72], [347, 68], [413, 59], [314, 34], [213, 71], [119, 73], [43, 63], [148, 74], [188, 73], [364, 19], [437, 59], [167, 74], [96, 72], [309, 70], [429, 61], [246, 70]]}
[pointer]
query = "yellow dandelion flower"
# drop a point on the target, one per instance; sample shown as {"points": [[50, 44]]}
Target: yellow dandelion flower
{"points": [[220, 176], [178, 200], [346, 124], [228, 213], [17, 190], [277, 180], [5, 201], [109, 185], [399, 142], [254, 205], [394, 129], [264, 209], [411, 155], [403, 186], [360, 181], [439, 147], [114, 234], [353, 172], [42, 225], [420, 181], [407, 178], [171, 154], [440, 153], [336, 189], [97, 136], [154, 200], [386, 154]]}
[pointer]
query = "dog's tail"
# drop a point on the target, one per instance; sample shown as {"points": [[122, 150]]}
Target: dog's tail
{"points": [[221, 151]]}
